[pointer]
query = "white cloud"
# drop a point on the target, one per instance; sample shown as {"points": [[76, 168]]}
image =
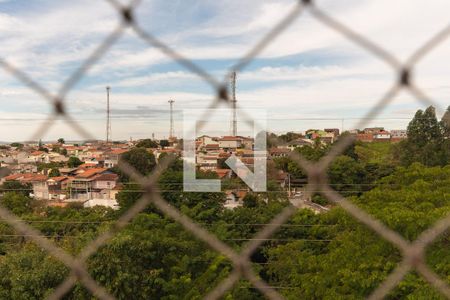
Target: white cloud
{"points": [[49, 43]]}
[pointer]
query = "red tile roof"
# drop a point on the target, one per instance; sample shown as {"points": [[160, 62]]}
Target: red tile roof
{"points": [[27, 177], [13, 177], [222, 172], [90, 172], [107, 177], [36, 153], [118, 151], [58, 178], [230, 138], [88, 165]]}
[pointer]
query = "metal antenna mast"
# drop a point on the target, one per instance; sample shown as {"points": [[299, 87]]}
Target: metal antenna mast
{"points": [[108, 119], [171, 118], [233, 101]]}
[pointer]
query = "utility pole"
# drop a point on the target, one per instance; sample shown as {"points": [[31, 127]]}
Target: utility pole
{"points": [[108, 119], [233, 104], [171, 118]]}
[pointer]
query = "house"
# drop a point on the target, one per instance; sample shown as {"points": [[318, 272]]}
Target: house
{"points": [[398, 135], [327, 139], [382, 136], [230, 142], [234, 198], [56, 157], [37, 181], [279, 152], [206, 161], [210, 147], [68, 171], [73, 150], [57, 187], [206, 140], [364, 137], [112, 203], [334, 131], [373, 130], [39, 157], [247, 142], [111, 158], [92, 184], [297, 143]]}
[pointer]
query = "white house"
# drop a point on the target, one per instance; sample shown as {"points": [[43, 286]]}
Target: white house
{"points": [[227, 142]]}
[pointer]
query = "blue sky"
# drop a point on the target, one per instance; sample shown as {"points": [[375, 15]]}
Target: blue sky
{"points": [[310, 76]]}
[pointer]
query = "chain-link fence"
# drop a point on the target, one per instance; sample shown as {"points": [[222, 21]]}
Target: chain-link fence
{"points": [[412, 252]]}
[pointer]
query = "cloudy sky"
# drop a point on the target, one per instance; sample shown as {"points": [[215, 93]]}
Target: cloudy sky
{"points": [[309, 77]]}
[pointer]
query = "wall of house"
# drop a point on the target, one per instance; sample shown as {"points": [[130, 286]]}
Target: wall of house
{"points": [[40, 190], [229, 144], [104, 184]]}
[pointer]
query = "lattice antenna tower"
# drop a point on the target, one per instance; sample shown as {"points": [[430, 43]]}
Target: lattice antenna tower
{"points": [[108, 116], [171, 118], [233, 104]]}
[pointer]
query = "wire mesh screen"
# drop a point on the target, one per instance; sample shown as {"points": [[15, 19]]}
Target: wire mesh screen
{"points": [[412, 252]]}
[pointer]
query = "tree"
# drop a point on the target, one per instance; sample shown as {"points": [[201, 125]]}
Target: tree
{"points": [[147, 143], [128, 196], [18, 203], [445, 123], [17, 145], [250, 200], [61, 141], [74, 162], [426, 142], [347, 176], [30, 274], [221, 163], [54, 173], [43, 149], [17, 187], [289, 136], [164, 143], [355, 261], [140, 159]]}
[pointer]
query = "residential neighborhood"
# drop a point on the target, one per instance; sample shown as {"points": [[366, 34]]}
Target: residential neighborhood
{"points": [[62, 173]]}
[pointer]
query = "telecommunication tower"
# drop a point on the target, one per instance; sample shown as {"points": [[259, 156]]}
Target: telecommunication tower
{"points": [[233, 104], [108, 117], [171, 118]]}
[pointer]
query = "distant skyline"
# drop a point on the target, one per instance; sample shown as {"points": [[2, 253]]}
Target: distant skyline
{"points": [[309, 77]]}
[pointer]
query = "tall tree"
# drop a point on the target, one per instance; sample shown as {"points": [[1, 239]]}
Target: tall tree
{"points": [[426, 142]]}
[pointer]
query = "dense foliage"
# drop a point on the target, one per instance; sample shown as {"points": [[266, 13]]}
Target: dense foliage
{"points": [[428, 140]]}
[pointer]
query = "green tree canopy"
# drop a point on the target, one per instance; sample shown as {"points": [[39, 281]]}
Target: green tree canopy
{"points": [[164, 143], [139, 158], [426, 142], [74, 162], [17, 145], [147, 143], [18, 203], [54, 173]]}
